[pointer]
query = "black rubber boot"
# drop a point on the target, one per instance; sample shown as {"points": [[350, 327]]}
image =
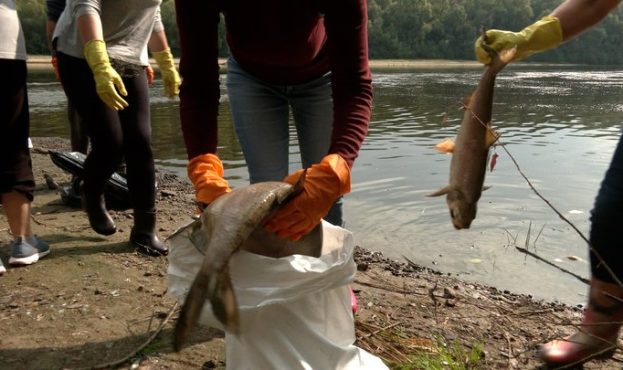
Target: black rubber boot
{"points": [[95, 207], [143, 234]]}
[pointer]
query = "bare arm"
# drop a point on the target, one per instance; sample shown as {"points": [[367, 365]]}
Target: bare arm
{"points": [[158, 41], [90, 28], [577, 16], [49, 31]]}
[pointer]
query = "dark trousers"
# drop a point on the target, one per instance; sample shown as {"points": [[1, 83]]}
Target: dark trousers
{"points": [[15, 164], [113, 134], [606, 234]]}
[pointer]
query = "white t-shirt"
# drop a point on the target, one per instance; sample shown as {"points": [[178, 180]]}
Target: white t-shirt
{"points": [[12, 42], [126, 25]]}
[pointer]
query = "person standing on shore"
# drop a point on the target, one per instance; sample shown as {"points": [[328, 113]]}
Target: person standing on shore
{"points": [[598, 332], [102, 54], [77, 130], [17, 183], [309, 58]]}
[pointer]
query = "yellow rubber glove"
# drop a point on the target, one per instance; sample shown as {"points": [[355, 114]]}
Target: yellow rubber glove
{"points": [[539, 36], [170, 77], [324, 184], [205, 171], [106, 78]]}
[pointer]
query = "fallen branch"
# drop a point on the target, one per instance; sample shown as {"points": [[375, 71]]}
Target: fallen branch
{"points": [[137, 350], [534, 255]]}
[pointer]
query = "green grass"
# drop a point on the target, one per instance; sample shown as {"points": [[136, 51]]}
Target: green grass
{"points": [[453, 356]]}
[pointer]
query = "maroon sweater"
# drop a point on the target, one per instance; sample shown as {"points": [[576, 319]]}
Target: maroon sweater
{"points": [[280, 42]]}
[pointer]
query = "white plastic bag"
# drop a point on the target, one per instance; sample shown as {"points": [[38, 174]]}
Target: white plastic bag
{"points": [[295, 312]]}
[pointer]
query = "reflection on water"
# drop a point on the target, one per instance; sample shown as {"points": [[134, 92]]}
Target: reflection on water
{"points": [[561, 124]]}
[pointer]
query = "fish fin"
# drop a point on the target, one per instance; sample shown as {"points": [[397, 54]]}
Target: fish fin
{"points": [[297, 188], [442, 191], [486, 188], [492, 136], [446, 146], [199, 236], [223, 300], [193, 304]]}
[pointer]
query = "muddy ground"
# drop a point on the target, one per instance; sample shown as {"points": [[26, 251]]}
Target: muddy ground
{"points": [[96, 300]]}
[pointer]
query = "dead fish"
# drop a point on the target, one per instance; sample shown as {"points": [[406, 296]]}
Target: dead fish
{"points": [[471, 148], [233, 221]]}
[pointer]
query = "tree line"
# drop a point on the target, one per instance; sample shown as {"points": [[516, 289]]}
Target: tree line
{"points": [[418, 29]]}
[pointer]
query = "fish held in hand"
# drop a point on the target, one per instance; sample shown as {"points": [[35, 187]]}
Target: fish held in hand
{"points": [[236, 221], [471, 147]]}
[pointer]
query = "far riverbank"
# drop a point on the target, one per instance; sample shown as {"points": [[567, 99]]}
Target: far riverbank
{"points": [[42, 62]]}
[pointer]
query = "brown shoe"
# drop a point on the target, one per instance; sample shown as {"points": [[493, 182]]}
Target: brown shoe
{"points": [[598, 333]]}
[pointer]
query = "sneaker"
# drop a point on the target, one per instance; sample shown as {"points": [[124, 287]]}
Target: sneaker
{"points": [[2, 268], [26, 251]]}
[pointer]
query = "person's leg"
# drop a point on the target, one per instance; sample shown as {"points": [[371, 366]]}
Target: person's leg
{"points": [[260, 115], [17, 209], [77, 130], [312, 108], [140, 171], [16, 177], [104, 130], [600, 326]]}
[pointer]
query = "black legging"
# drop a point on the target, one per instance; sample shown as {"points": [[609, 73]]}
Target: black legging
{"points": [[15, 164], [607, 221], [113, 134]]}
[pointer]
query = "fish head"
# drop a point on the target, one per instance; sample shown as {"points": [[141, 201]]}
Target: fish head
{"points": [[462, 211]]}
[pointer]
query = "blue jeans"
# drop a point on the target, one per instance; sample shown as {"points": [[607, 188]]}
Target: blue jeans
{"points": [[261, 115], [607, 221]]}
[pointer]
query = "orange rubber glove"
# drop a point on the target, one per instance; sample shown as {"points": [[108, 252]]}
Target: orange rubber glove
{"points": [[205, 171], [54, 61], [324, 184], [149, 72]]}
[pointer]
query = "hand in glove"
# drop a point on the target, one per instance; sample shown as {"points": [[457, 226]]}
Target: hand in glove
{"points": [[205, 171], [324, 183], [107, 80], [149, 72], [170, 77], [539, 36], [54, 61]]}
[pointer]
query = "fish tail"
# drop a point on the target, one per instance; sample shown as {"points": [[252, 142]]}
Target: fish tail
{"points": [[189, 314], [223, 300]]}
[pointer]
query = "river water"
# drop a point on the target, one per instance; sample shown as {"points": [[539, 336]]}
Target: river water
{"points": [[560, 123]]}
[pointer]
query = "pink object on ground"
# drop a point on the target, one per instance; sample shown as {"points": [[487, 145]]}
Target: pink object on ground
{"points": [[353, 300]]}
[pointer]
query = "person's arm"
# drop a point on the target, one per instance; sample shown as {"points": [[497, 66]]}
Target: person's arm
{"points": [[90, 28], [53, 9], [197, 23], [346, 23], [108, 83], [568, 20], [159, 47], [158, 41], [577, 16]]}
